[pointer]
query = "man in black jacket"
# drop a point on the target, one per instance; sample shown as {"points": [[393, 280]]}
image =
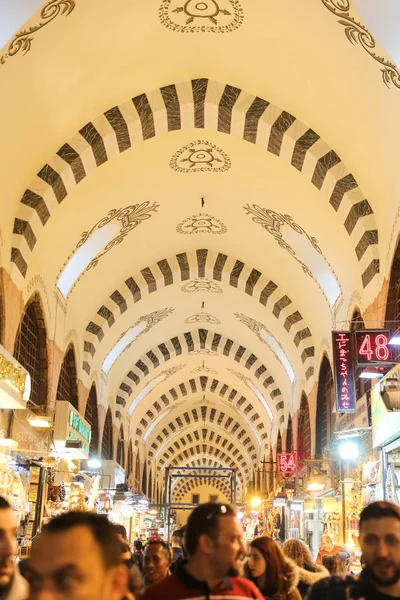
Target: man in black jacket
{"points": [[380, 546]]}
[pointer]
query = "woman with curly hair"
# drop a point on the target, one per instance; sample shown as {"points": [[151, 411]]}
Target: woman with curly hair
{"points": [[308, 571], [273, 574]]}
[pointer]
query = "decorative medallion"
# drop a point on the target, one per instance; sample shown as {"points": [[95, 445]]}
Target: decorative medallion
{"points": [[201, 223], [199, 17], [22, 40], [172, 370], [269, 340], [206, 351], [204, 369], [203, 317], [201, 284], [246, 380], [148, 321], [281, 226], [200, 156], [357, 33], [128, 219]]}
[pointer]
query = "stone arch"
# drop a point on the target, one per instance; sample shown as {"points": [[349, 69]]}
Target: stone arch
{"points": [[91, 416], [195, 264], [183, 486], [30, 350], [120, 448], [392, 314], [304, 431], [289, 435], [107, 439], [129, 467], [211, 463], [325, 400], [198, 104], [67, 388]]}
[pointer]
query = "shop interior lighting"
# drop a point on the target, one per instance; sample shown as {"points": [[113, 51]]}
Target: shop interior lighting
{"points": [[395, 341], [41, 422], [153, 511], [240, 515], [371, 375], [349, 450], [256, 502], [317, 485], [94, 463], [8, 443]]}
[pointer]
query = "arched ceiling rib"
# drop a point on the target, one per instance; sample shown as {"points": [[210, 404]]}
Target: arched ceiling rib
{"points": [[195, 104], [199, 264], [183, 486]]}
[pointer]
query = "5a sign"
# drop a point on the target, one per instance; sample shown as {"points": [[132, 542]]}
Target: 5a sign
{"points": [[287, 463]]}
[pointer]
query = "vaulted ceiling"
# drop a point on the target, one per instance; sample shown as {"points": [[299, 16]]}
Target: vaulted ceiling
{"points": [[199, 191]]}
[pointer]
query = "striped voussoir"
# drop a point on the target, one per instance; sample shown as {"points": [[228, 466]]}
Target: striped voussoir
{"points": [[184, 486], [201, 263], [203, 451], [201, 385], [204, 104], [179, 483], [195, 340]]}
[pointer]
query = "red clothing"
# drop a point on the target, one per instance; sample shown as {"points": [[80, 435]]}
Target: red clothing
{"points": [[181, 586]]}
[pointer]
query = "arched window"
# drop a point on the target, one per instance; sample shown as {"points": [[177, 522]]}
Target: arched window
{"points": [[150, 490], [289, 435], [324, 421], [30, 350], [137, 472], [120, 448], [67, 388], [304, 431], [362, 385], [144, 479], [130, 460], [91, 417], [106, 442]]}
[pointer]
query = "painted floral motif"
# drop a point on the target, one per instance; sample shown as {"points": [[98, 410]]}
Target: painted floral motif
{"points": [[201, 223], [203, 317], [201, 284], [200, 156], [206, 351], [204, 369], [199, 16]]}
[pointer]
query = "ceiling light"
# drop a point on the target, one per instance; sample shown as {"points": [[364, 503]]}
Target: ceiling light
{"points": [[316, 486], [349, 450], [371, 375], [94, 463], [255, 502], [41, 422], [8, 443], [395, 341]]}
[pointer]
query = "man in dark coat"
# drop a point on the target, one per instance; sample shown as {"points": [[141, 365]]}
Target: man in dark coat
{"points": [[380, 546]]}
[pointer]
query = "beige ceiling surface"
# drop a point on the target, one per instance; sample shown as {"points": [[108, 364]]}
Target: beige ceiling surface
{"points": [[251, 241]]}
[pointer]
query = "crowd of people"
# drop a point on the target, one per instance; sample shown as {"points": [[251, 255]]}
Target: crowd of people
{"points": [[83, 556]]}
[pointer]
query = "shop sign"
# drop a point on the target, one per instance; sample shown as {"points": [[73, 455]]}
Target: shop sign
{"points": [[15, 382], [287, 463], [385, 420], [372, 347], [69, 425], [343, 365]]}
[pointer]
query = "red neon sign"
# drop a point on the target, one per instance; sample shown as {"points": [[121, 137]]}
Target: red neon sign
{"points": [[344, 371], [287, 463], [372, 347]]}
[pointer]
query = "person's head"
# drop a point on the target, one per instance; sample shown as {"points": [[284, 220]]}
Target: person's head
{"points": [[214, 536], [8, 544], [121, 532], [266, 558], [176, 539], [335, 564], [138, 546], [77, 557], [156, 560], [298, 552], [126, 554], [326, 543], [380, 542]]}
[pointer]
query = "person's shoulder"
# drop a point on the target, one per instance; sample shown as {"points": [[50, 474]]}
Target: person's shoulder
{"points": [[247, 587], [155, 590], [332, 585]]}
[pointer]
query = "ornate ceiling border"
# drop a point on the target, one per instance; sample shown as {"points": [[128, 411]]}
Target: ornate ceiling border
{"points": [[357, 33], [22, 40]]}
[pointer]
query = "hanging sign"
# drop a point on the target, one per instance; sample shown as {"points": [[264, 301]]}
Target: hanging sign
{"points": [[343, 366], [372, 347], [69, 425], [287, 463]]}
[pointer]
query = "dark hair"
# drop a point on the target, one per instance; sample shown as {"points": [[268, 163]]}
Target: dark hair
{"points": [[177, 534], [161, 543], [4, 503], [276, 565], [100, 527], [204, 520], [335, 564], [121, 530], [138, 545], [379, 510]]}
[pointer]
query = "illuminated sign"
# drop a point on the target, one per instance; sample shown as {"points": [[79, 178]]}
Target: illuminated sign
{"points": [[69, 425], [343, 364], [372, 347], [287, 463]]}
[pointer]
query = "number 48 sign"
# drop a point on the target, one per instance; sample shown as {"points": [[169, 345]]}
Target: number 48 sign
{"points": [[287, 463]]}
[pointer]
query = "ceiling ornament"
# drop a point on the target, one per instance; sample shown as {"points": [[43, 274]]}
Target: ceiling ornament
{"points": [[201, 223], [148, 321], [200, 156], [279, 226], [193, 16], [357, 33], [206, 351], [201, 284], [204, 369], [202, 317], [128, 219], [22, 40]]}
